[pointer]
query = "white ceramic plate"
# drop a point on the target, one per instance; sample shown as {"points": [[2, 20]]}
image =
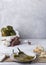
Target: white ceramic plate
{"points": [[15, 60]]}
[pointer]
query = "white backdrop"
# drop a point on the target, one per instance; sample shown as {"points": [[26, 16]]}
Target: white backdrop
{"points": [[27, 16]]}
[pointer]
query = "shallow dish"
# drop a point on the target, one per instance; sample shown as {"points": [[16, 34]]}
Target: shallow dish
{"points": [[27, 61]]}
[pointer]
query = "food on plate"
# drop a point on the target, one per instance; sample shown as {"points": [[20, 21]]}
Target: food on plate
{"points": [[22, 57], [27, 41], [38, 49], [8, 31]]}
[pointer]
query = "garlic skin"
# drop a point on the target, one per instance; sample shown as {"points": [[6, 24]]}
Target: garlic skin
{"points": [[38, 49], [7, 43], [43, 54]]}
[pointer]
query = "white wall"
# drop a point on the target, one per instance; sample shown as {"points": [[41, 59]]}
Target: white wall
{"points": [[27, 16]]}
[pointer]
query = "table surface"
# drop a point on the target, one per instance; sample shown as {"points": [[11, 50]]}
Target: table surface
{"points": [[34, 42]]}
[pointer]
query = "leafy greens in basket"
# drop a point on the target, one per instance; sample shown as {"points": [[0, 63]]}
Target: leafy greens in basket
{"points": [[8, 31]]}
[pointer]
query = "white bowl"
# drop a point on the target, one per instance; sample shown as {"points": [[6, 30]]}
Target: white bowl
{"points": [[5, 41]]}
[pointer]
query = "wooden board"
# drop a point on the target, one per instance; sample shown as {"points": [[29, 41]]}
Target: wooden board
{"points": [[37, 60]]}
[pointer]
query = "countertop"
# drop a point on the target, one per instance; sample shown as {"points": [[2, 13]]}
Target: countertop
{"points": [[34, 42]]}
